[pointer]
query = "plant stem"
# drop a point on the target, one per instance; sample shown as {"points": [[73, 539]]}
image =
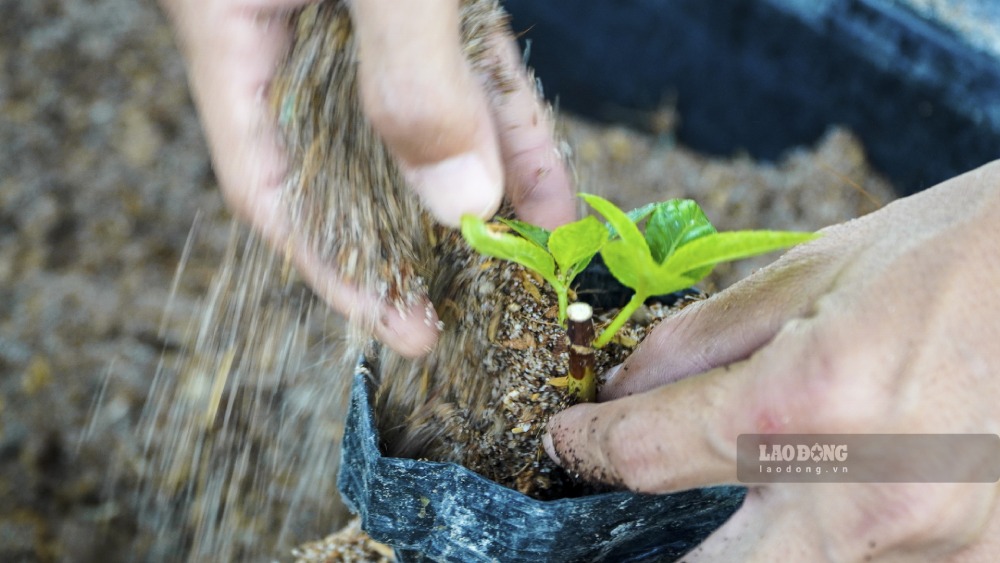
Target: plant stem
{"points": [[561, 293], [619, 321], [582, 381]]}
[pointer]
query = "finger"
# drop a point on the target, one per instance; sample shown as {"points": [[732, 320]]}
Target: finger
{"points": [[538, 180], [805, 522], [859, 522], [421, 96], [411, 332], [729, 326], [767, 527], [232, 49], [683, 435], [653, 442]]}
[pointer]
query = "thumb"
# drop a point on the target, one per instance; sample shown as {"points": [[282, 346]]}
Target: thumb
{"points": [[421, 95], [727, 327]]}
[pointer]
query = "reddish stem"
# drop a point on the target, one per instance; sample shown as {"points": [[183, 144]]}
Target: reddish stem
{"points": [[580, 328]]}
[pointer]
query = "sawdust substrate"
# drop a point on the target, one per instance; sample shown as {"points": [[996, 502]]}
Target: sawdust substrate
{"points": [[529, 358], [350, 544]]}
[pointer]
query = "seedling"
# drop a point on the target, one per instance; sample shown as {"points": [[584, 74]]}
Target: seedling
{"points": [[558, 256], [678, 248]]}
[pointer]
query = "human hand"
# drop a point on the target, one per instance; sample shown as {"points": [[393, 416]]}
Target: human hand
{"points": [[458, 145], [886, 324]]}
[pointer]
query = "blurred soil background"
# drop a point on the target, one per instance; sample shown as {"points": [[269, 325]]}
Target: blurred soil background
{"points": [[103, 173]]}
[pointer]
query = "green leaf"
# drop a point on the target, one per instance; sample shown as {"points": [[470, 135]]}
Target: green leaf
{"points": [[622, 224], [674, 223], [641, 274], [624, 265], [576, 243], [636, 215], [716, 248], [507, 247], [663, 283], [640, 213], [535, 234]]}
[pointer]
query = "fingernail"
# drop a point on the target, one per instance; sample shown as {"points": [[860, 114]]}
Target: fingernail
{"points": [[549, 448], [456, 186], [412, 333]]}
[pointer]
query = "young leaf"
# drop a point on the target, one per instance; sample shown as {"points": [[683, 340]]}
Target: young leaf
{"points": [[640, 213], [535, 234], [507, 247], [673, 224], [659, 283], [576, 242], [636, 215], [647, 278], [621, 223], [626, 265], [715, 248]]}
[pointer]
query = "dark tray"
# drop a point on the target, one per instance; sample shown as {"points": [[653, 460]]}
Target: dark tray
{"points": [[443, 512], [921, 89]]}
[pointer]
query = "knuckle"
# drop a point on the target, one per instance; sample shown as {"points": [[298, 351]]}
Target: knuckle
{"points": [[834, 389], [628, 454], [831, 404], [621, 470]]}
